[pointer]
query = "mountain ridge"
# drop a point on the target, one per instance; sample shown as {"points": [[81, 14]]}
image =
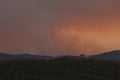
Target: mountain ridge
{"points": [[5, 56], [111, 56]]}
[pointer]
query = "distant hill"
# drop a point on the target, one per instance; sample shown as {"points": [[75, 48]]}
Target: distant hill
{"points": [[111, 56], [71, 57], [4, 56]]}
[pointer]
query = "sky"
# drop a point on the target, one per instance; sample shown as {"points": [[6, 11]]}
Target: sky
{"points": [[59, 27]]}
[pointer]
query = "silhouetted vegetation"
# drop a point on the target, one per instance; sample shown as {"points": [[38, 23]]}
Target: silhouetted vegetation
{"points": [[59, 69], [82, 55]]}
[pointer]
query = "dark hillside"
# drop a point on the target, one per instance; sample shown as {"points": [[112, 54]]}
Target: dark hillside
{"points": [[60, 69]]}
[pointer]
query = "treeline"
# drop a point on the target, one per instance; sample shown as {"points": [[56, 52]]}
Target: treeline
{"points": [[59, 69]]}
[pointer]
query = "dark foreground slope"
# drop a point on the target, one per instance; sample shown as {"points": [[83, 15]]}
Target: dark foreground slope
{"points": [[59, 69]]}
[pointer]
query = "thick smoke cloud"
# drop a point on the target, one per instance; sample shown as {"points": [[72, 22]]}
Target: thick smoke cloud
{"points": [[57, 27]]}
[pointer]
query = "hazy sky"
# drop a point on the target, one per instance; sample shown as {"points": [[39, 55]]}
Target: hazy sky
{"points": [[59, 27]]}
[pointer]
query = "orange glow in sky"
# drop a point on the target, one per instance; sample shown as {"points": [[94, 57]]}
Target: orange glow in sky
{"points": [[59, 27]]}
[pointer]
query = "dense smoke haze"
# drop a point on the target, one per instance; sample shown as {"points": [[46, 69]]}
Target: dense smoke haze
{"points": [[59, 27]]}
